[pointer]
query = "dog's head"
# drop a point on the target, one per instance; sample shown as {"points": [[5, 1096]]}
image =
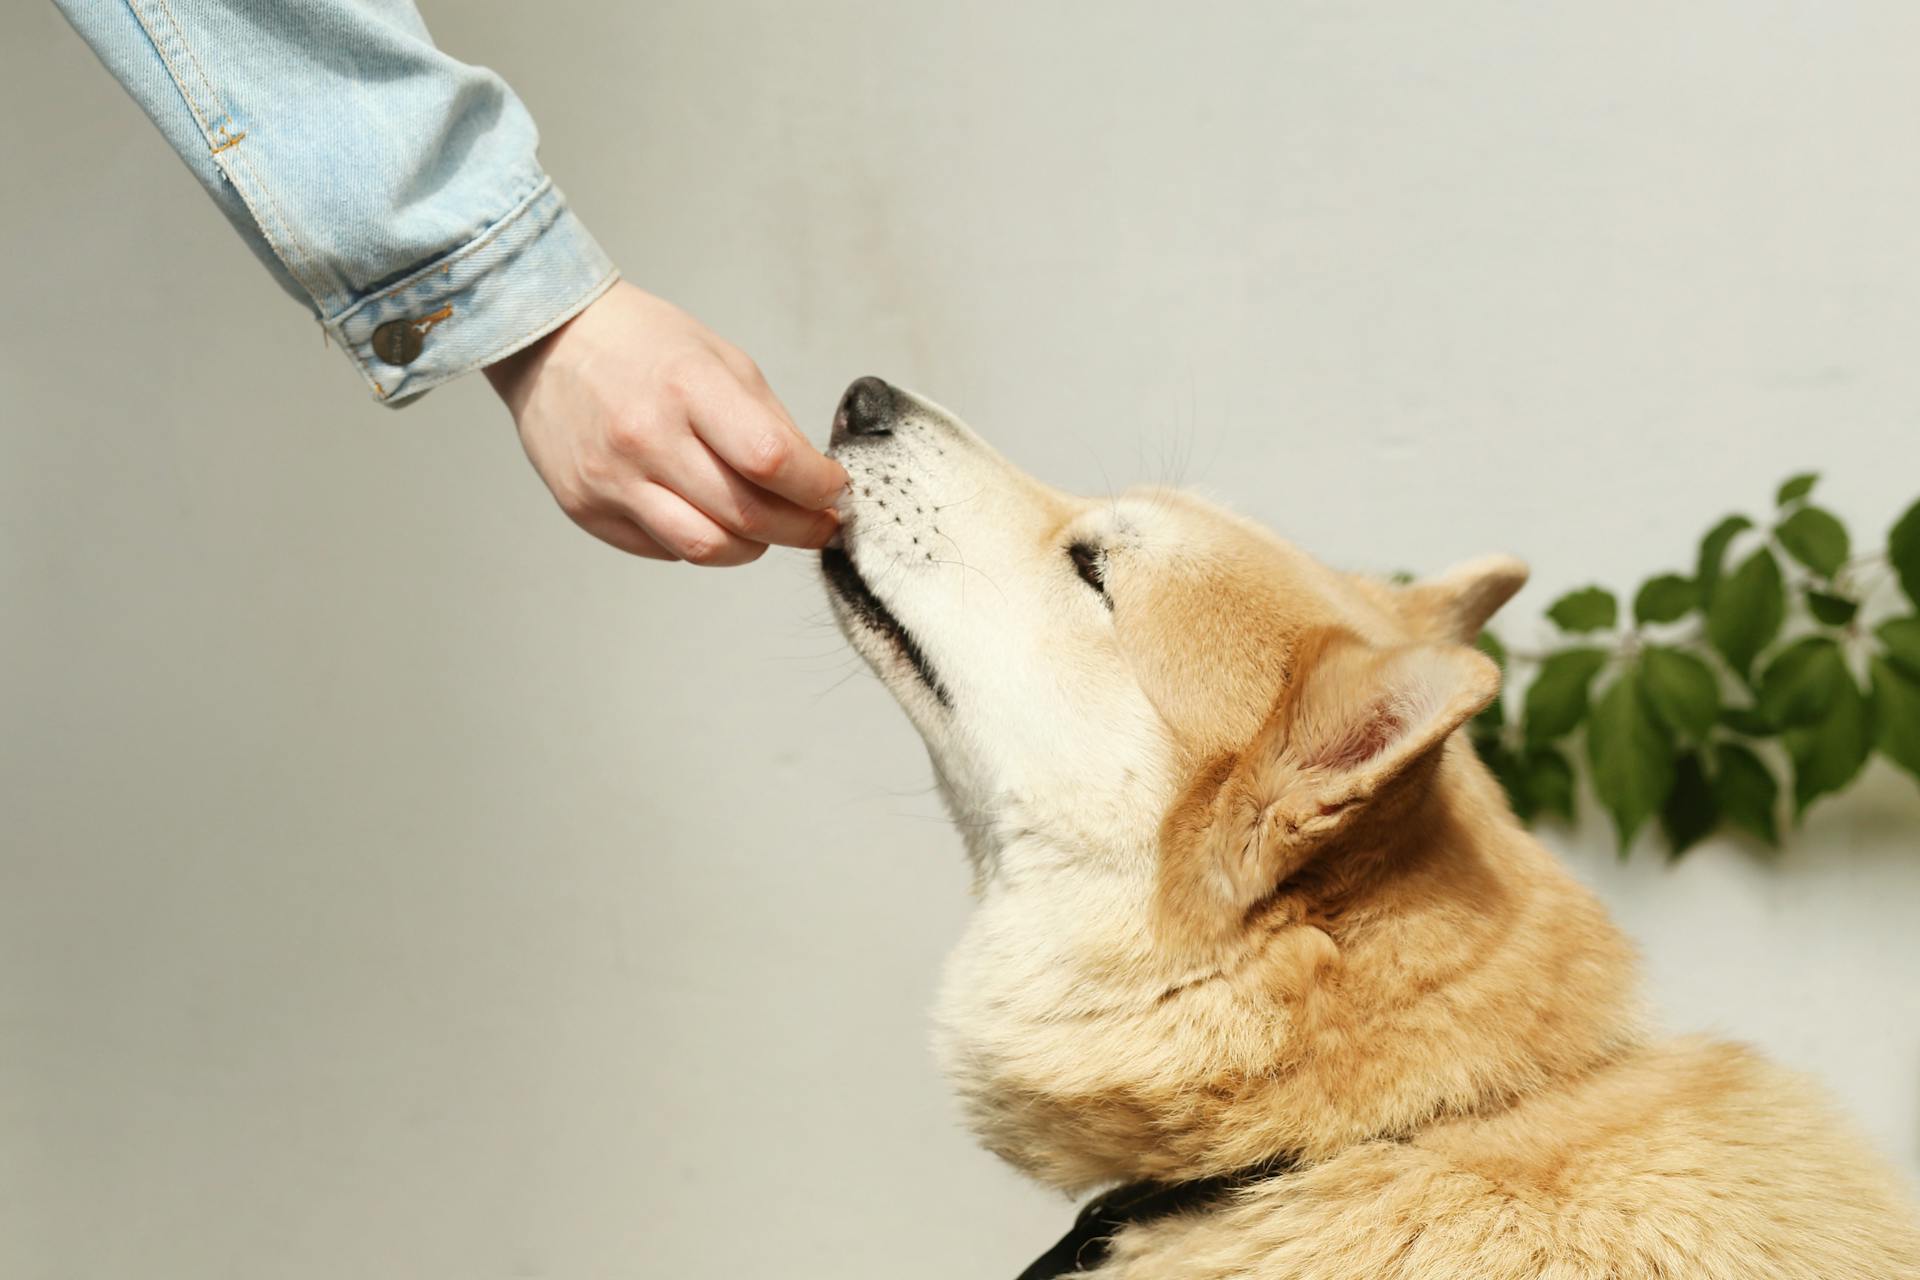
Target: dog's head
{"points": [[1173, 744]]}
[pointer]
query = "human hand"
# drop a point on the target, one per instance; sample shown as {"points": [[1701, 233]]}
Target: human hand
{"points": [[661, 438]]}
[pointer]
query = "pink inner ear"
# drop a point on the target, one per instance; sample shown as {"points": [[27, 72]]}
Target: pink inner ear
{"points": [[1362, 741]]}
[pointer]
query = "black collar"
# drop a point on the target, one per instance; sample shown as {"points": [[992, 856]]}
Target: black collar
{"points": [[1086, 1245]]}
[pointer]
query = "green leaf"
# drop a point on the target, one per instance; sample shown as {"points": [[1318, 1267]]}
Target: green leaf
{"points": [[1746, 611], [1902, 638], [1666, 598], [1746, 791], [1748, 721], [1816, 539], [1828, 754], [1631, 756], [1547, 779], [1903, 549], [1796, 487], [1692, 811], [1896, 710], [1588, 609], [1801, 682], [1682, 691], [1713, 554], [1835, 611], [1557, 699]]}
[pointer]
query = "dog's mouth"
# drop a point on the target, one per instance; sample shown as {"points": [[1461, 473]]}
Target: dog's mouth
{"points": [[866, 608]]}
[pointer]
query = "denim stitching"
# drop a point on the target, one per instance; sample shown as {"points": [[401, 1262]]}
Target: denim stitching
{"points": [[424, 325], [315, 273], [174, 50], [518, 209], [567, 313], [173, 70], [446, 264], [319, 272], [180, 33]]}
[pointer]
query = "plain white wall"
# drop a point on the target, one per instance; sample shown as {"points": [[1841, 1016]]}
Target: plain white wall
{"points": [[397, 883]]}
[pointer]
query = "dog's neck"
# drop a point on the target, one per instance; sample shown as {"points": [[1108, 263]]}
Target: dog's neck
{"points": [[1447, 975]]}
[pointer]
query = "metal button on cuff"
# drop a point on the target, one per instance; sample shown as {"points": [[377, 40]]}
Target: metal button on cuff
{"points": [[398, 342]]}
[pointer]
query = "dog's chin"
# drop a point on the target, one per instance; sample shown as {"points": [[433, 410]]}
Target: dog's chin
{"points": [[875, 632]]}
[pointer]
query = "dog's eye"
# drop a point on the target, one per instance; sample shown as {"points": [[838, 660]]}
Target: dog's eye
{"points": [[1090, 565]]}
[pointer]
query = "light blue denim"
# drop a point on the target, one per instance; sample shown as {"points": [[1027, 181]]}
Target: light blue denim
{"points": [[377, 178]]}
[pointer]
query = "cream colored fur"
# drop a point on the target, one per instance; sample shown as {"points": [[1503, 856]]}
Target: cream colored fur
{"points": [[1242, 890]]}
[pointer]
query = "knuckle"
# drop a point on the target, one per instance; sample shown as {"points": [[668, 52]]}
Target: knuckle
{"points": [[702, 548], [630, 435], [767, 456], [750, 516], [599, 471], [684, 373]]}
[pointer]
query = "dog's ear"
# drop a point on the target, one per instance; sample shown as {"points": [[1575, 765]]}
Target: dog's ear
{"points": [[1356, 725], [1454, 605]]}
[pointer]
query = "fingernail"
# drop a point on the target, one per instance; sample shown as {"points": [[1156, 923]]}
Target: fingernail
{"points": [[840, 495]]}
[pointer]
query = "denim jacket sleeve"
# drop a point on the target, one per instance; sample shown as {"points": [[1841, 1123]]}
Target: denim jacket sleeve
{"points": [[391, 188]]}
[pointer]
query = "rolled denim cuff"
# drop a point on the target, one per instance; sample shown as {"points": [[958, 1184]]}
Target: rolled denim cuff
{"points": [[517, 281]]}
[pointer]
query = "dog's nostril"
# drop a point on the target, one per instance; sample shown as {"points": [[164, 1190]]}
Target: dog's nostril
{"points": [[867, 409]]}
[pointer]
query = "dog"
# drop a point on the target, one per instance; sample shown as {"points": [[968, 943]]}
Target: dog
{"points": [[1258, 940]]}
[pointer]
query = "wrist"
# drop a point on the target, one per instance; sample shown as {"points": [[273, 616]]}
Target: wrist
{"points": [[512, 376]]}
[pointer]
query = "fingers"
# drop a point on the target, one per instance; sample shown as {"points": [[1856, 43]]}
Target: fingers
{"points": [[719, 492], [689, 534], [755, 438], [618, 531]]}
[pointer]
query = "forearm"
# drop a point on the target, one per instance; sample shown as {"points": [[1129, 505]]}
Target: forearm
{"points": [[391, 188]]}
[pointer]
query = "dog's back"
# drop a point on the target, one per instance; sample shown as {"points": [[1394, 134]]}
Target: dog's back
{"points": [[1688, 1159]]}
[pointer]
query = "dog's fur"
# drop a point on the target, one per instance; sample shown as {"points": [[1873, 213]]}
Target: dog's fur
{"points": [[1243, 892]]}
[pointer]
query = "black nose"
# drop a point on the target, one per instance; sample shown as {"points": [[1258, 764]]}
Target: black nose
{"points": [[867, 409]]}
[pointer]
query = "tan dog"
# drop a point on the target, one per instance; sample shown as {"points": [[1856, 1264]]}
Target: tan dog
{"points": [[1246, 901]]}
